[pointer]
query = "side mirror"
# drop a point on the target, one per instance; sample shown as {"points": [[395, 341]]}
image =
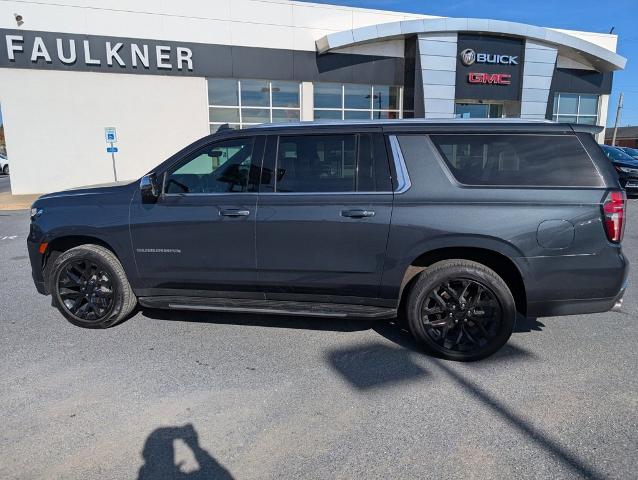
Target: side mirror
{"points": [[149, 188]]}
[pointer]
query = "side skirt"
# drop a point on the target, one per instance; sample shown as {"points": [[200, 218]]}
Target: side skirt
{"points": [[273, 307]]}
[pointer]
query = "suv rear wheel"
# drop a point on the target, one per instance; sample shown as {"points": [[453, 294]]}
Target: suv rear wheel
{"points": [[90, 288], [461, 310]]}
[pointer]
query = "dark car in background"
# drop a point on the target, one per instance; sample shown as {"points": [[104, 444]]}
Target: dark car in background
{"points": [[625, 165], [455, 226]]}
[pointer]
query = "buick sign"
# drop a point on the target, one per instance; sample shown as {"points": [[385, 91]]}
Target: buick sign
{"points": [[469, 56]]}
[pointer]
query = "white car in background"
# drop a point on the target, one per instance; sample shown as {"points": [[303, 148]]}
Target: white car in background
{"points": [[4, 165]]}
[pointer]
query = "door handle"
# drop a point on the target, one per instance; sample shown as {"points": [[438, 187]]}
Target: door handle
{"points": [[357, 213], [234, 212]]}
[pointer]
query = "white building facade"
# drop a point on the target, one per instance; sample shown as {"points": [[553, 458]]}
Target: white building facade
{"points": [[165, 73]]}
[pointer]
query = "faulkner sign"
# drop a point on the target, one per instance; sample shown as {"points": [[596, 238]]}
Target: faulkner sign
{"points": [[488, 68], [26, 49]]}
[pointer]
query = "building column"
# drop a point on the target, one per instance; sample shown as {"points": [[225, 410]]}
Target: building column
{"points": [[438, 53], [538, 70], [603, 110], [307, 102]]}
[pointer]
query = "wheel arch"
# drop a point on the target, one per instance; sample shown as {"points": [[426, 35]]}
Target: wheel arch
{"points": [[62, 243], [502, 264]]}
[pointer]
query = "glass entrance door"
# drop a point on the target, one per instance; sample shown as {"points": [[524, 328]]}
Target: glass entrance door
{"points": [[478, 110]]}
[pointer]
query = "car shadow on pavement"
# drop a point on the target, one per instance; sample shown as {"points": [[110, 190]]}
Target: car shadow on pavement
{"points": [[257, 320], [159, 457], [376, 365]]}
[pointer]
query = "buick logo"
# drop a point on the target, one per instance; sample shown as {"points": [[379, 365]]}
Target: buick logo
{"points": [[468, 57]]}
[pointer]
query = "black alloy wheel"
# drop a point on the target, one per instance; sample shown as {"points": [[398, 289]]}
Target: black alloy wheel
{"points": [[461, 315], [460, 310], [86, 290]]}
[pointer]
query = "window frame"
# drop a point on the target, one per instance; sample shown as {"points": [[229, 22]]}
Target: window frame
{"points": [[371, 110], [240, 106], [448, 171], [556, 115], [258, 145], [271, 159]]}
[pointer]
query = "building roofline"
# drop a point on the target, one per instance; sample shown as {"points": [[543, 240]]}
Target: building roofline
{"points": [[601, 58]]}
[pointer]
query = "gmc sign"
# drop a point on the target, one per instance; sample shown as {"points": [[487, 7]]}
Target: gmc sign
{"points": [[490, 78]]}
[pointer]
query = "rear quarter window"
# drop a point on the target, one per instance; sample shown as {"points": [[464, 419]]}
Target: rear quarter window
{"points": [[518, 160]]}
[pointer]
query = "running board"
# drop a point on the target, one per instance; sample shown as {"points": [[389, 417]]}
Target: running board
{"points": [[271, 307]]}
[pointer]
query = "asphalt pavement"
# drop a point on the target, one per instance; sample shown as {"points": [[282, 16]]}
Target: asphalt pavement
{"points": [[189, 395]]}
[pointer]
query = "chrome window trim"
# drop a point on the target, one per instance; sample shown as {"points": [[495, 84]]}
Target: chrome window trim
{"points": [[403, 176]]}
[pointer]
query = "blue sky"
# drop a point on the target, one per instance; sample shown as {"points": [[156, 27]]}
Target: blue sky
{"points": [[590, 15]]}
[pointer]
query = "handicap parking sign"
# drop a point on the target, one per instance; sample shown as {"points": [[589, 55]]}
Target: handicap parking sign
{"points": [[110, 135]]}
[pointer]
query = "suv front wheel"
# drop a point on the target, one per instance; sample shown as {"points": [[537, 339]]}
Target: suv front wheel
{"points": [[89, 287], [461, 310]]}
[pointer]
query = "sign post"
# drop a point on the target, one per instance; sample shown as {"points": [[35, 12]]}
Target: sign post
{"points": [[110, 135]]}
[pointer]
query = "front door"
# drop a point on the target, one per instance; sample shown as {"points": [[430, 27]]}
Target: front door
{"points": [[324, 214], [200, 234]]}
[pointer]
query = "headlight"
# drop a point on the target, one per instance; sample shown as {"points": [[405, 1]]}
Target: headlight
{"points": [[35, 212], [628, 170]]}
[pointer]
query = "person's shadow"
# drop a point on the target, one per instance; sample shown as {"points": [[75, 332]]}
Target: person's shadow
{"points": [[159, 457]]}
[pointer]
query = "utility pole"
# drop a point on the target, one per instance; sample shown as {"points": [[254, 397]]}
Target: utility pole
{"points": [[618, 109]]}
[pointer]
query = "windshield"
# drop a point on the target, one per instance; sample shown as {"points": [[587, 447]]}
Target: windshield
{"points": [[616, 154], [631, 151]]}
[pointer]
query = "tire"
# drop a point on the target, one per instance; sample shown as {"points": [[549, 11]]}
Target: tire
{"points": [[464, 302], [5, 170], [92, 276]]}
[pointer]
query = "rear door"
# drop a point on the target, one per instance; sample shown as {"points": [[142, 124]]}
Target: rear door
{"points": [[324, 213]]}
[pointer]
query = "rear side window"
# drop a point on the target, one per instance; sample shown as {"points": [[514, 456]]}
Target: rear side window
{"points": [[518, 160], [331, 163]]}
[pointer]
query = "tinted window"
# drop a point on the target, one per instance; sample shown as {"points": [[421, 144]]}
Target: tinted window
{"points": [[222, 167], [330, 163], [511, 160]]}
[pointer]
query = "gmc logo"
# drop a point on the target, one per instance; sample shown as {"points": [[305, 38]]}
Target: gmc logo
{"points": [[490, 78]]}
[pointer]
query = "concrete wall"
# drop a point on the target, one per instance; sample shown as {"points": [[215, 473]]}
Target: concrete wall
{"points": [[54, 124], [251, 23]]}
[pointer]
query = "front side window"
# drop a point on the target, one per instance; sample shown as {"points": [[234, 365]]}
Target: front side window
{"points": [[223, 167], [331, 163], [514, 160]]}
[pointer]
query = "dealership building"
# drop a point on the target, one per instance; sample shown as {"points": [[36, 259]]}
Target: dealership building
{"points": [[155, 76]]}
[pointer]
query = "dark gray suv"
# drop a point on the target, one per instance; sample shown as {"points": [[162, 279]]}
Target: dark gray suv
{"points": [[456, 226]]}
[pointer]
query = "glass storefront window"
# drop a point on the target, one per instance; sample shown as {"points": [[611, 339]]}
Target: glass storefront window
{"points": [[254, 101], [222, 91], [357, 96], [224, 115], [328, 114], [328, 95], [478, 110], [334, 101], [285, 115], [357, 115], [385, 98], [285, 94], [255, 115], [575, 108], [255, 93]]}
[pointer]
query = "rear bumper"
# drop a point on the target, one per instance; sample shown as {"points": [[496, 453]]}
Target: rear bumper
{"points": [[558, 308], [578, 285]]}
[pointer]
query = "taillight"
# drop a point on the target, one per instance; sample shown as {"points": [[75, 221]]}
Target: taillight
{"points": [[614, 215]]}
